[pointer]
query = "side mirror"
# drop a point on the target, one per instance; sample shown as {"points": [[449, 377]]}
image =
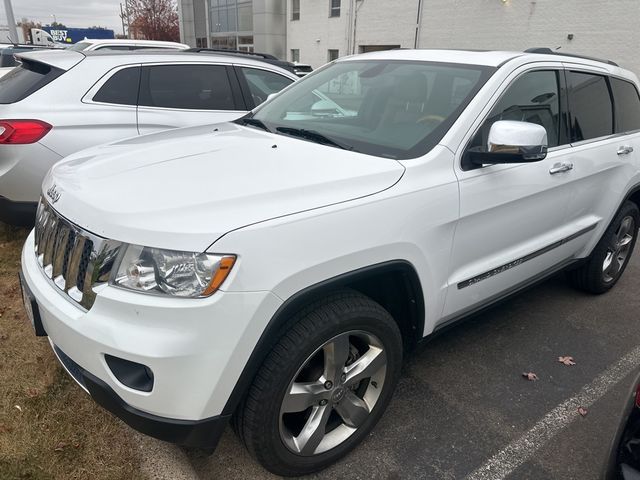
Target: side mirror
{"points": [[271, 95], [324, 108], [511, 142]]}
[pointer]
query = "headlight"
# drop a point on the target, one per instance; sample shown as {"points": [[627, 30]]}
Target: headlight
{"points": [[171, 272]]}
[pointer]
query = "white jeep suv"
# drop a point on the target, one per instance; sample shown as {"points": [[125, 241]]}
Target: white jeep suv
{"points": [[277, 269], [58, 102]]}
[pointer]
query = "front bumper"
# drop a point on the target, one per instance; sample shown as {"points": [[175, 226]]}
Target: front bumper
{"points": [[196, 349]]}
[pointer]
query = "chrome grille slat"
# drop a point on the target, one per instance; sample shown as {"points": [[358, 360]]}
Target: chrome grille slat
{"points": [[74, 260]]}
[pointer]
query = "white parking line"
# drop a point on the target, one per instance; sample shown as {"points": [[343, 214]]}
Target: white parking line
{"points": [[516, 453]]}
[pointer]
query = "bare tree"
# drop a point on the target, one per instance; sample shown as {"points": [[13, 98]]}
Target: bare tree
{"points": [[154, 19]]}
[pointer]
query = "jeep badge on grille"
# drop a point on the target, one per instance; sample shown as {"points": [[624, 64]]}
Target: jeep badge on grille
{"points": [[53, 193]]}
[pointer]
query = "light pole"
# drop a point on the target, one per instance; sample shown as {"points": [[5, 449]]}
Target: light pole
{"points": [[55, 20], [11, 21]]}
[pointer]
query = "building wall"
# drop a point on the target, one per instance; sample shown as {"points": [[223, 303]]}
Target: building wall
{"points": [[607, 29], [186, 22], [269, 27], [603, 29]]}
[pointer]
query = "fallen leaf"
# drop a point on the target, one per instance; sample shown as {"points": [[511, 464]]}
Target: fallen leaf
{"points": [[532, 377], [583, 411], [566, 360], [32, 392], [59, 447], [5, 429]]}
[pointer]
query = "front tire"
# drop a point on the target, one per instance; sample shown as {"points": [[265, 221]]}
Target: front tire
{"points": [[323, 387], [610, 257]]}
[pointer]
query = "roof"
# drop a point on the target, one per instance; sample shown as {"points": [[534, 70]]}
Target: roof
{"points": [[488, 58], [130, 41], [65, 59]]}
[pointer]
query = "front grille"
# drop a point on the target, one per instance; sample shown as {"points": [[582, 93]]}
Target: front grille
{"points": [[76, 261]]}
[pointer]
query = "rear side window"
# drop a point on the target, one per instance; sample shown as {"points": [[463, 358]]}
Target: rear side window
{"points": [[263, 83], [590, 104], [627, 101], [22, 81], [197, 87], [121, 88]]}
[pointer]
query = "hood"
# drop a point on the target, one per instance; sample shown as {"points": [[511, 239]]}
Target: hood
{"points": [[185, 188]]}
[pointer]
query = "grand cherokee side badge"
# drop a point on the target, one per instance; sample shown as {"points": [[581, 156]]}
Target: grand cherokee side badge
{"points": [[53, 193]]}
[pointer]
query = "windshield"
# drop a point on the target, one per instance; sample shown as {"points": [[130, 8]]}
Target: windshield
{"points": [[396, 109], [78, 47]]}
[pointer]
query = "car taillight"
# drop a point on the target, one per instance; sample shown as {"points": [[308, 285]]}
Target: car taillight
{"points": [[22, 131]]}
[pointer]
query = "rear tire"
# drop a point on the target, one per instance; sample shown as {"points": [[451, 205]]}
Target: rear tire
{"points": [[604, 267], [323, 387]]}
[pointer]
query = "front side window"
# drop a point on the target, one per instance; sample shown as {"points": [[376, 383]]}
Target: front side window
{"points": [[395, 109], [533, 97], [590, 104], [263, 83], [188, 86], [121, 88], [334, 8], [627, 103], [295, 9]]}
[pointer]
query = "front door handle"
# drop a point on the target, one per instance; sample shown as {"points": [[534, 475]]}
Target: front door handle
{"points": [[561, 167], [625, 150]]}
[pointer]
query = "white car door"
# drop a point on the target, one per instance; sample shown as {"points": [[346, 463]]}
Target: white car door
{"points": [[605, 142], [186, 94], [512, 217]]}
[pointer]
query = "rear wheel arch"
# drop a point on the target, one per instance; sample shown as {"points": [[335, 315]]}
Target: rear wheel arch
{"points": [[395, 285]]}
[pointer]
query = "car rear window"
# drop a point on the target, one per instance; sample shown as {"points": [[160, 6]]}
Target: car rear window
{"points": [[26, 79]]}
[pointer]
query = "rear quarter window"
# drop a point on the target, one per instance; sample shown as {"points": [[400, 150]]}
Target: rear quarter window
{"points": [[121, 88], [627, 105], [26, 79]]}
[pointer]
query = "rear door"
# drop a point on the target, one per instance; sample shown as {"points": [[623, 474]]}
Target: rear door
{"points": [[605, 125], [186, 94], [109, 112]]}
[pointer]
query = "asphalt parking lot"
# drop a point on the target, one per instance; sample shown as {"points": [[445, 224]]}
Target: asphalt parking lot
{"points": [[462, 398]]}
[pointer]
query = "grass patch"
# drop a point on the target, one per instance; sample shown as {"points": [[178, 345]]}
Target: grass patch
{"points": [[49, 427]]}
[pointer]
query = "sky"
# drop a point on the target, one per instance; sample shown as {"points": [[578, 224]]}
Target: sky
{"points": [[72, 13]]}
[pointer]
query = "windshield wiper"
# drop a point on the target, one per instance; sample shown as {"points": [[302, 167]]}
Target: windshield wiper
{"points": [[254, 122], [314, 136]]}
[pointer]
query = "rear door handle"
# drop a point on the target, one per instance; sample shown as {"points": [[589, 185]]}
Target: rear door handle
{"points": [[561, 167], [625, 150]]}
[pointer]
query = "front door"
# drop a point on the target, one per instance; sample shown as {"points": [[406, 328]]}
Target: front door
{"points": [[512, 217]]}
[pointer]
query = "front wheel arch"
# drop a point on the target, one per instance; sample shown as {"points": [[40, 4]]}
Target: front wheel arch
{"points": [[394, 284]]}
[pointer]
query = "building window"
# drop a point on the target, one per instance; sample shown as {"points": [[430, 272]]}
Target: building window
{"points": [[334, 8], [295, 54], [295, 9], [333, 54]]}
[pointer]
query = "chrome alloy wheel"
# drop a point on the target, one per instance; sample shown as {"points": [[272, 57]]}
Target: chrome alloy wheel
{"points": [[618, 251], [332, 393]]}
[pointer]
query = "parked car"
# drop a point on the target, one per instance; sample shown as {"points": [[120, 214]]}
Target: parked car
{"points": [[302, 69], [277, 269], [125, 44], [624, 457], [59, 102]]}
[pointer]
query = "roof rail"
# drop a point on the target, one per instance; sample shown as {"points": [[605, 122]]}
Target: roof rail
{"points": [[231, 52], [548, 51]]}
